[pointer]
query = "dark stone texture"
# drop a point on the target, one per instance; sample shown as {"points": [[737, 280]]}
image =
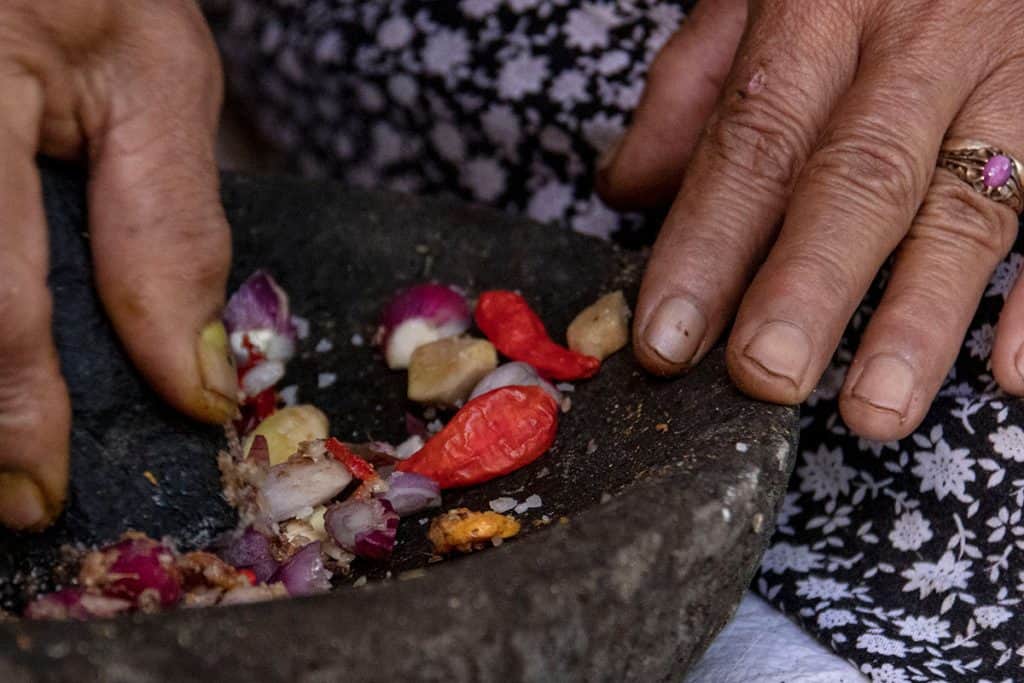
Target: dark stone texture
{"points": [[652, 540]]}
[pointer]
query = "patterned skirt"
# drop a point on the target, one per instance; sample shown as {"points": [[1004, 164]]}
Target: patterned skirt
{"points": [[907, 557]]}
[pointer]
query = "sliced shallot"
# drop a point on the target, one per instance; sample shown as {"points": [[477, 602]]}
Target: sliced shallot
{"points": [[366, 527], [409, 493], [304, 573]]}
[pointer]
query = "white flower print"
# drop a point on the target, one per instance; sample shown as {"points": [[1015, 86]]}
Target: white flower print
{"points": [[478, 9], [550, 202], [594, 218], [588, 27], [881, 645], [602, 130], [818, 588], [829, 385], [789, 510], [404, 89], [945, 470], [824, 474], [923, 629], [555, 140], [612, 62], [568, 88], [501, 125], [523, 5], [929, 577], [782, 557], [1008, 442], [1004, 521], [448, 142], [991, 616], [836, 618], [395, 33], [328, 48], [484, 177], [910, 531], [885, 673], [980, 341], [444, 51], [1005, 275], [388, 145], [522, 75]]}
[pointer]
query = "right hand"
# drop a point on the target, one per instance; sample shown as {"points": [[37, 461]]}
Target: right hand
{"points": [[135, 89]]}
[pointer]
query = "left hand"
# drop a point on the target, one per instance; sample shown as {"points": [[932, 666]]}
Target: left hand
{"points": [[816, 165]]}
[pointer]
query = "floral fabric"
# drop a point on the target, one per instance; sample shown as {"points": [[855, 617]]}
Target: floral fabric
{"points": [[907, 558]]}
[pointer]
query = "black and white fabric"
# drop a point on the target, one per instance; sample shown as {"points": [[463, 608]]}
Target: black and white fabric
{"points": [[907, 558]]}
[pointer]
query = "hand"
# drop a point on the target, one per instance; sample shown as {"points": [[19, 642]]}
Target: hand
{"points": [[816, 164], [135, 88]]}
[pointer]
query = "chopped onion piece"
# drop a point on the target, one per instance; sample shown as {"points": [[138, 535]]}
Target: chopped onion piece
{"points": [[409, 493], [365, 527], [516, 374], [258, 319], [137, 569], [420, 315], [409, 447], [304, 573], [262, 376], [75, 603], [251, 551], [301, 484]]}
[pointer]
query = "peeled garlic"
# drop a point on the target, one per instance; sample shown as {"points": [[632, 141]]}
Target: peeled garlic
{"points": [[602, 328], [444, 372], [285, 429]]}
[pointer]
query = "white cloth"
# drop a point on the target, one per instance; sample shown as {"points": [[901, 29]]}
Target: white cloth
{"points": [[761, 645]]}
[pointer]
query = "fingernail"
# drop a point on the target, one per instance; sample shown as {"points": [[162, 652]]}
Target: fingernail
{"points": [[781, 349], [676, 330], [22, 505], [886, 383], [607, 158], [217, 371]]}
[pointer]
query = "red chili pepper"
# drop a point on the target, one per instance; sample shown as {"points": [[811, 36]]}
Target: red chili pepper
{"points": [[492, 435], [360, 469], [517, 332], [255, 410], [249, 575]]}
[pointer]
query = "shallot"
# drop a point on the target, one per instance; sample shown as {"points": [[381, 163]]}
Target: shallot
{"points": [[420, 315], [517, 374], [75, 603], [251, 550], [365, 527], [409, 493], [137, 569], [259, 322], [304, 573], [306, 480]]}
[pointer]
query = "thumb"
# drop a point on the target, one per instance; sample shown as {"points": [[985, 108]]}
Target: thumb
{"points": [[161, 244], [645, 168]]}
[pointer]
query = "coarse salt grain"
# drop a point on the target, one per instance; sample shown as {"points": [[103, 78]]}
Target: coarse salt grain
{"points": [[301, 326], [565, 387], [325, 379], [502, 505], [357, 340], [533, 501], [324, 345], [290, 394], [741, 447], [435, 426]]}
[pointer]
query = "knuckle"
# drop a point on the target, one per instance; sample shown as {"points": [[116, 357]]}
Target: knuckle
{"points": [[959, 214], [24, 303], [869, 168], [757, 140]]}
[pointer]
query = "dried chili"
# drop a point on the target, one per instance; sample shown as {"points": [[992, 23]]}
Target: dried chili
{"points": [[490, 436], [360, 469], [518, 333]]}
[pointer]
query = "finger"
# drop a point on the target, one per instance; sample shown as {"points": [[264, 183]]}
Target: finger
{"points": [[853, 204], [940, 274], [161, 244], [645, 167], [34, 409], [776, 101]]}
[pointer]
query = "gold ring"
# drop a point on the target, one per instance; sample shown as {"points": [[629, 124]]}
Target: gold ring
{"points": [[989, 170]]}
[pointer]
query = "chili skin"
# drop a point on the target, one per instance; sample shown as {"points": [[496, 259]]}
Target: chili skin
{"points": [[507, 320], [360, 469], [490, 436]]}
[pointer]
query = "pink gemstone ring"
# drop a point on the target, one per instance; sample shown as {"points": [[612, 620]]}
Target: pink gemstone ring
{"points": [[989, 170]]}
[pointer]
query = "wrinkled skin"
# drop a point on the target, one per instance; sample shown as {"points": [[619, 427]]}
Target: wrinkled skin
{"points": [[809, 142], [134, 88]]}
